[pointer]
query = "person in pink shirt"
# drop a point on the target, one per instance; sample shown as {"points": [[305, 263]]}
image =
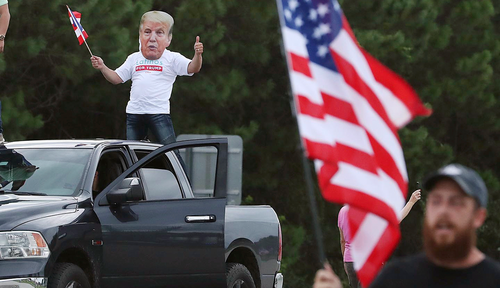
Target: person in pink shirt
{"points": [[345, 237], [345, 246]]}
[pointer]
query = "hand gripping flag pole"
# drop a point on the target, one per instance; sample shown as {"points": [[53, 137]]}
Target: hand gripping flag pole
{"points": [[74, 18]]}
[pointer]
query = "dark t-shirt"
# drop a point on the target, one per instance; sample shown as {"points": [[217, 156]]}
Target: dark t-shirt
{"points": [[418, 271]]}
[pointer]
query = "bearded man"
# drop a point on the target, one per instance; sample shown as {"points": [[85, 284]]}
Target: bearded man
{"points": [[455, 209]]}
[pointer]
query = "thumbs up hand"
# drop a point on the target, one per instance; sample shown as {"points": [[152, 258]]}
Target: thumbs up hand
{"points": [[198, 46]]}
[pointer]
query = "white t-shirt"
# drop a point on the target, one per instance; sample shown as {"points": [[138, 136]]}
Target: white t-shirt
{"points": [[152, 81]]}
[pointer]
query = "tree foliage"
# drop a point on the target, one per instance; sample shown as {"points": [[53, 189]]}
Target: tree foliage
{"points": [[448, 50]]}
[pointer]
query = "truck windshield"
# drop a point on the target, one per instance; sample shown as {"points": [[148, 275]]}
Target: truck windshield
{"points": [[56, 172]]}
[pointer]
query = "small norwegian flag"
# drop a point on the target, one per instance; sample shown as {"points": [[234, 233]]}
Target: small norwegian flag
{"points": [[74, 18]]}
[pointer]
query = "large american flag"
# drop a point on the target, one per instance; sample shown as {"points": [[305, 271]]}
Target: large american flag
{"points": [[349, 108], [75, 18]]}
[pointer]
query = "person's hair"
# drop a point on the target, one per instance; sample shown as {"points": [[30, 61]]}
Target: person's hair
{"points": [[158, 17]]}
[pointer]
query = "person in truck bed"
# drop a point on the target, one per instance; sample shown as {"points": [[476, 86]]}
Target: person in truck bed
{"points": [[153, 71]]}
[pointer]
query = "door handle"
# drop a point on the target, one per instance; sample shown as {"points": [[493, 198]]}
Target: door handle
{"points": [[200, 218]]}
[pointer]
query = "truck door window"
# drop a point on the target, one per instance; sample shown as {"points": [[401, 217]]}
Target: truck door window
{"points": [[201, 166], [111, 165], [159, 180]]}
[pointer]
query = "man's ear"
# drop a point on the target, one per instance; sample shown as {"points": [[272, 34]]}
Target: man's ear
{"points": [[479, 217]]}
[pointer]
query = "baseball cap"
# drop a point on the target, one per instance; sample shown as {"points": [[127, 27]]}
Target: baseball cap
{"points": [[470, 182]]}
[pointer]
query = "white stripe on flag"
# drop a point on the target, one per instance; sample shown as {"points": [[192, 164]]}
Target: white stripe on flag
{"points": [[366, 238], [396, 110], [329, 82], [314, 129], [294, 42], [379, 186], [305, 86], [341, 131]]}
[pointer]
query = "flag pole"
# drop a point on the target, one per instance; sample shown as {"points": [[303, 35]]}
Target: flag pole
{"points": [[88, 48], [314, 209], [307, 168]]}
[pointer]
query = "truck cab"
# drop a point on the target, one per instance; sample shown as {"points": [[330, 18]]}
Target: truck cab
{"points": [[114, 213]]}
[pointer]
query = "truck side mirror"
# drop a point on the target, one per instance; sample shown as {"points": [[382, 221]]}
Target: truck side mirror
{"points": [[129, 189]]}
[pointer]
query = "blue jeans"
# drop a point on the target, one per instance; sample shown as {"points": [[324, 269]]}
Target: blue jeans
{"points": [[159, 124]]}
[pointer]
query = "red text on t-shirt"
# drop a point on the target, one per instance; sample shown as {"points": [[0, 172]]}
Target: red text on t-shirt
{"points": [[149, 68]]}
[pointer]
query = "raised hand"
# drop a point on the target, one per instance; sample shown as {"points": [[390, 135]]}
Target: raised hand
{"points": [[415, 196], [198, 46]]}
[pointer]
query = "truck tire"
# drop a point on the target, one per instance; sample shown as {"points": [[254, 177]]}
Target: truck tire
{"points": [[238, 276], [68, 275]]}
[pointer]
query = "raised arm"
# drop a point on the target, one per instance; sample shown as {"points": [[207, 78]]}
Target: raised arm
{"points": [[4, 24], [415, 196], [109, 74], [195, 64]]}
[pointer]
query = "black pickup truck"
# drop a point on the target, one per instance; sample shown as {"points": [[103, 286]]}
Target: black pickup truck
{"points": [[114, 213]]}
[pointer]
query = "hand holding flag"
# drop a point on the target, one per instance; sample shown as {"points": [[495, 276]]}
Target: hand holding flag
{"points": [[75, 18], [97, 62]]}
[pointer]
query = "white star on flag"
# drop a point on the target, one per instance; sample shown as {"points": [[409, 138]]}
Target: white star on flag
{"points": [[299, 22], [313, 14], [322, 9], [322, 51], [324, 28], [293, 4]]}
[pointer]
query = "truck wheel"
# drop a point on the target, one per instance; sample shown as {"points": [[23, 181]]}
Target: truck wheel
{"points": [[238, 276], [68, 275]]}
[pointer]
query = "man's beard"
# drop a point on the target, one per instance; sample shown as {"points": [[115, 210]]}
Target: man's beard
{"points": [[456, 250]]}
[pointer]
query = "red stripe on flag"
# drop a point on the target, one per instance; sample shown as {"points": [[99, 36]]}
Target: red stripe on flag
{"points": [[388, 165], [355, 219], [309, 108], [77, 14], [326, 173], [380, 253], [322, 151], [342, 153], [300, 64], [358, 199], [356, 158], [339, 108], [397, 85], [352, 78]]}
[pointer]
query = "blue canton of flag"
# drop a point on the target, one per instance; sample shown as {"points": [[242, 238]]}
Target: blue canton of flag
{"points": [[319, 21]]}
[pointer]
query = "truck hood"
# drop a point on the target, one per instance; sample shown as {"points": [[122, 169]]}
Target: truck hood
{"points": [[16, 210]]}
